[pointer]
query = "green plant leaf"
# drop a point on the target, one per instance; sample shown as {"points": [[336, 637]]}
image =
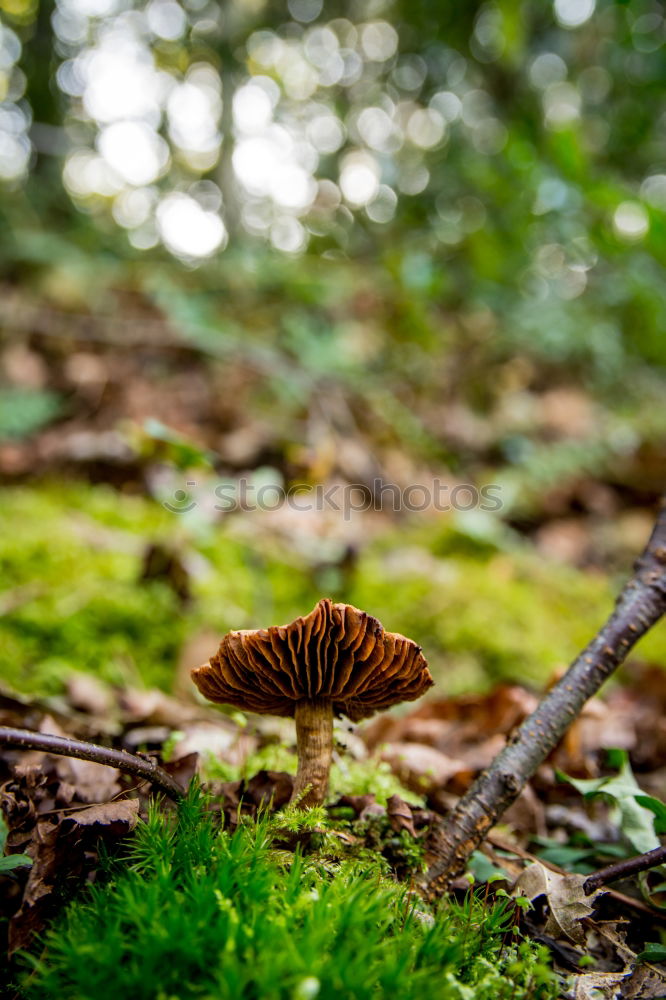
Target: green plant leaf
{"points": [[13, 861], [635, 821], [484, 870], [658, 808], [653, 952]]}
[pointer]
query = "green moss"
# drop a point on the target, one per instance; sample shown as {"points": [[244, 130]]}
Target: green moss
{"points": [[273, 757], [74, 597], [484, 616], [368, 777], [483, 606], [200, 913], [348, 776]]}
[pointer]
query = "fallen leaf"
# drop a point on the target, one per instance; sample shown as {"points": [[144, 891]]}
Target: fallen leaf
{"points": [[37, 896], [420, 767], [646, 982], [363, 805], [92, 782], [121, 815], [88, 694], [400, 815], [64, 854], [183, 769], [270, 788], [598, 985], [566, 899]]}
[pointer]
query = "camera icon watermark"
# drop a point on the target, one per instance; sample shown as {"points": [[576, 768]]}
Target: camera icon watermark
{"points": [[182, 502]]}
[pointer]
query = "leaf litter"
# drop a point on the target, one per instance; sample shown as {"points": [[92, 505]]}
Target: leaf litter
{"points": [[61, 813]]}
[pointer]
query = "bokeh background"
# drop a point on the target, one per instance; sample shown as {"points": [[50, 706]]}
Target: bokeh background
{"points": [[326, 244]]}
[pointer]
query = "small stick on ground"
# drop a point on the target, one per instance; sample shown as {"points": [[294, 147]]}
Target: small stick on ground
{"points": [[140, 767], [623, 869], [633, 904], [641, 604]]}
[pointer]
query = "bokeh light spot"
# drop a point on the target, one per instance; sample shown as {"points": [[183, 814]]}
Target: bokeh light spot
{"points": [[359, 178], [379, 40], [187, 229], [573, 13], [630, 221], [134, 150]]}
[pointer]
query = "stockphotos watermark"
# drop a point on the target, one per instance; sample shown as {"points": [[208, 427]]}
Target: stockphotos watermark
{"points": [[248, 495]]}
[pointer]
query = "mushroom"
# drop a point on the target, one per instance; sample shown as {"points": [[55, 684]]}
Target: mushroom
{"points": [[336, 660]]}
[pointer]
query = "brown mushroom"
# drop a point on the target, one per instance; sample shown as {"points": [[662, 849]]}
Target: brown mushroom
{"points": [[336, 660]]}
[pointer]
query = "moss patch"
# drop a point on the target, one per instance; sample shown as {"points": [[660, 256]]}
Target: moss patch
{"points": [[73, 598], [201, 913]]}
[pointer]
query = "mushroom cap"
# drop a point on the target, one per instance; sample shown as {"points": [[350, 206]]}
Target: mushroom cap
{"points": [[336, 653]]}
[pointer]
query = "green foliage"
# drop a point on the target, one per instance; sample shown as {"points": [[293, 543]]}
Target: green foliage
{"points": [[368, 777], [636, 822], [653, 952], [658, 808], [483, 870], [24, 411], [508, 250], [162, 443], [640, 818], [201, 913], [348, 776], [272, 757], [580, 856], [12, 861]]}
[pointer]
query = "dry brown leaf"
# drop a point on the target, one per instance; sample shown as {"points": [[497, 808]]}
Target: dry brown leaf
{"points": [[122, 816], [646, 982], [421, 767], [456, 724], [89, 694], [566, 899], [595, 985], [400, 815], [363, 805], [270, 789], [92, 782], [636, 982], [65, 853]]}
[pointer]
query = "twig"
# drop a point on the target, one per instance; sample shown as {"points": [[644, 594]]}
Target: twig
{"points": [[140, 767], [620, 897], [641, 603], [622, 869]]}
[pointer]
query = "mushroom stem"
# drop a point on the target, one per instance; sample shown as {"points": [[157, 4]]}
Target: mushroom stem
{"points": [[314, 743]]}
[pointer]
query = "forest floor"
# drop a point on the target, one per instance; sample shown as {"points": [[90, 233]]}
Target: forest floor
{"points": [[110, 596]]}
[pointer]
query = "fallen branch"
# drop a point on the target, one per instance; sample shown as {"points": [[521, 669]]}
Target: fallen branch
{"points": [[623, 869], [629, 901], [641, 603], [140, 767]]}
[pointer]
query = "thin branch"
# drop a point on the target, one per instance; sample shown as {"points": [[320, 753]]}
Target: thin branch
{"points": [[623, 869], [140, 767], [619, 897], [641, 604]]}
